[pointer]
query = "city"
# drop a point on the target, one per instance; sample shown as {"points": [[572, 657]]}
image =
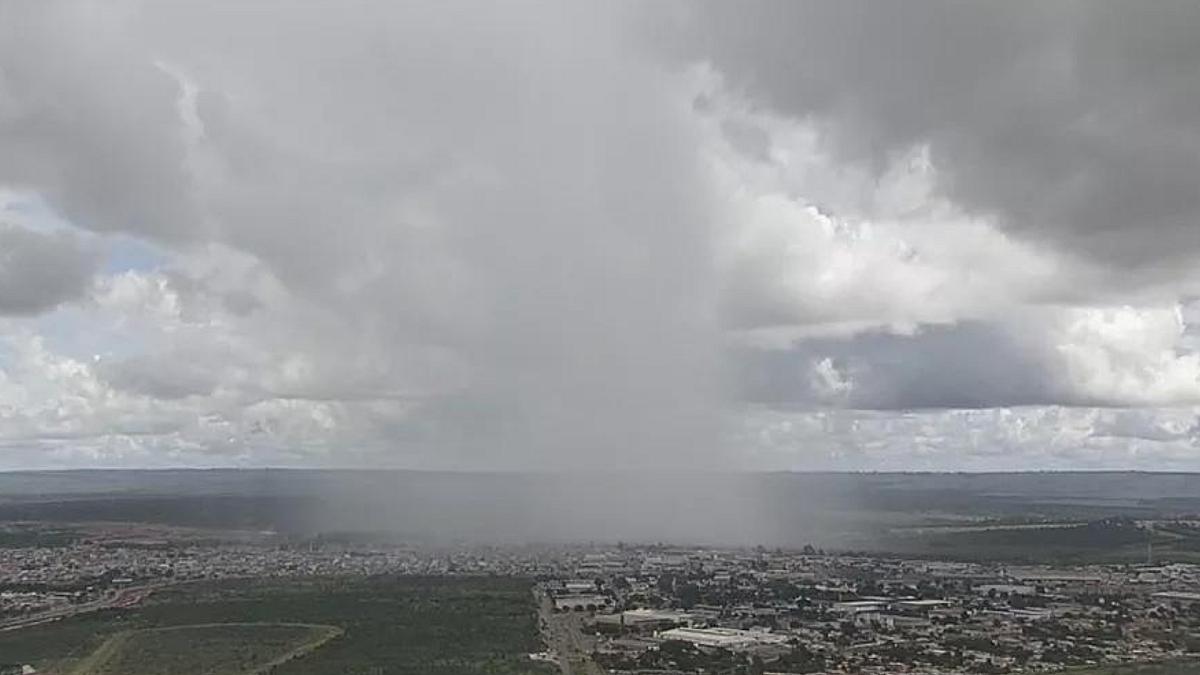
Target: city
{"points": [[656, 608]]}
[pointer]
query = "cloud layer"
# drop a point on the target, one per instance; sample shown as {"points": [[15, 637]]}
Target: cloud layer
{"points": [[561, 235]]}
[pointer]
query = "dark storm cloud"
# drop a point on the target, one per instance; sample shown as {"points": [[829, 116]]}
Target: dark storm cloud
{"points": [[966, 365], [1076, 123], [512, 189], [39, 271], [460, 234], [90, 123]]}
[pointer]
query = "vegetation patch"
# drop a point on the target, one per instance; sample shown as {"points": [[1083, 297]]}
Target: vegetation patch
{"points": [[230, 649], [395, 624]]}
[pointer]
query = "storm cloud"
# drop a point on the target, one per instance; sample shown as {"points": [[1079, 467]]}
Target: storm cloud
{"points": [[39, 271], [1076, 123], [619, 235]]}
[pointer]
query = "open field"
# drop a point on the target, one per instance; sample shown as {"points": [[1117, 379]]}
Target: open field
{"points": [[230, 648], [1110, 540], [375, 626]]}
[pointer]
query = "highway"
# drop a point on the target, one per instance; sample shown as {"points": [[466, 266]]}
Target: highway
{"points": [[564, 636], [126, 597]]}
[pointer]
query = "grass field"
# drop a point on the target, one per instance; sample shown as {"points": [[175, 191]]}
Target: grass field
{"points": [[1102, 541], [232, 649], [402, 625]]}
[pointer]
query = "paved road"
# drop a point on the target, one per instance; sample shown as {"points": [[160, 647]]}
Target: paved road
{"points": [[127, 597], [563, 634]]}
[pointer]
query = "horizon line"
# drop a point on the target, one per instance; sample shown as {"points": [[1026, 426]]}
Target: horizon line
{"points": [[748, 472]]}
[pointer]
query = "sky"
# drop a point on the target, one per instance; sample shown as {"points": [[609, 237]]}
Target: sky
{"points": [[547, 235]]}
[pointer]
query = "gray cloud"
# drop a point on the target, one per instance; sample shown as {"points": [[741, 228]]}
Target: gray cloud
{"points": [[1076, 123], [164, 377], [92, 128], [39, 271], [965, 365], [462, 235], [511, 189], [1116, 357]]}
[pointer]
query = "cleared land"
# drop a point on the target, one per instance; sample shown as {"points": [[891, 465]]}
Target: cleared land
{"points": [[409, 625]]}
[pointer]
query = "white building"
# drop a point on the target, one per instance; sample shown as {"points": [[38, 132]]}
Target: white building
{"points": [[725, 638], [856, 606], [645, 619]]}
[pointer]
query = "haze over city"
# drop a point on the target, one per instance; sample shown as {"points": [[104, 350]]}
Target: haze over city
{"points": [[609, 236]]}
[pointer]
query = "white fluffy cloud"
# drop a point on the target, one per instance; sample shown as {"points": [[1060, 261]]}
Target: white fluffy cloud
{"points": [[994, 439]]}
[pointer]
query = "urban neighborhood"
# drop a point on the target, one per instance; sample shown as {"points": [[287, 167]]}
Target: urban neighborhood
{"points": [[663, 609]]}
